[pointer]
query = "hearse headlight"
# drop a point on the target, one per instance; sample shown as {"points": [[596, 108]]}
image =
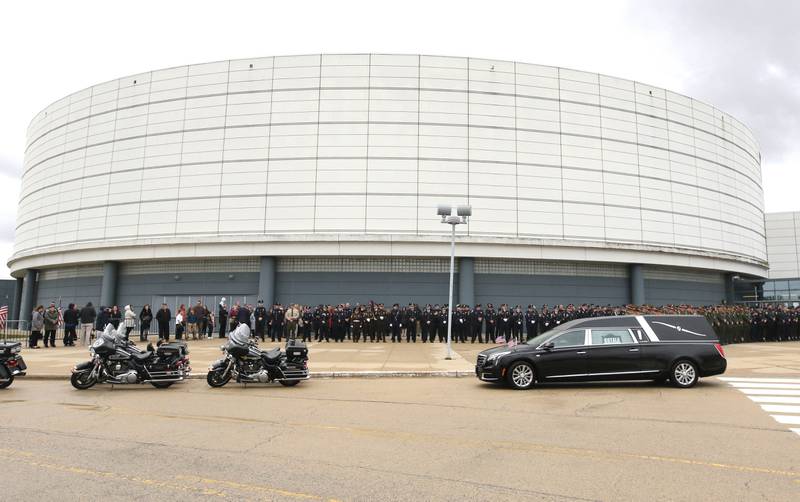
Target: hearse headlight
{"points": [[497, 355]]}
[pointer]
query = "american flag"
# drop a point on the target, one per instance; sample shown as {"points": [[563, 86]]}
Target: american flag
{"points": [[3, 316]]}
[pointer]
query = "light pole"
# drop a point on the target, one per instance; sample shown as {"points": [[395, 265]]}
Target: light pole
{"points": [[461, 217]]}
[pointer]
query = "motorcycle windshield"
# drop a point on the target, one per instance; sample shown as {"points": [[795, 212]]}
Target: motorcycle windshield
{"points": [[241, 335]]}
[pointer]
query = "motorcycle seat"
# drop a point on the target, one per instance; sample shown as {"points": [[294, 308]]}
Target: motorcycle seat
{"points": [[143, 356], [272, 355]]}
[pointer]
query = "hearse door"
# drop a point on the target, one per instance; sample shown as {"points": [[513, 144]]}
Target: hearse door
{"points": [[567, 358], [613, 351]]}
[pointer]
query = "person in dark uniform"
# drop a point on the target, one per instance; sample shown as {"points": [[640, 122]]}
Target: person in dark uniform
{"points": [[348, 314], [531, 323], [504, 322], [476, 324], [445, 318], [342, 321], [261, 316], [436, 322], [517, 324], [425, 323], [411, 318], [395, 322], [381, 323], [356, 323], [460, 323], [308, 323], [277, 317], [491, 323], [369, 323]]}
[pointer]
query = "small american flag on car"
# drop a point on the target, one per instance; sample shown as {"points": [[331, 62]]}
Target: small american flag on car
{"points": [[3, 316]]}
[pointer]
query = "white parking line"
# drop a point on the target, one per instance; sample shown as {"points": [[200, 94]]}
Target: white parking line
{"points": [[787, 419], [760, 380], [759, 385], [780, 397], [775, 399], [780, 408], [770, 392]]}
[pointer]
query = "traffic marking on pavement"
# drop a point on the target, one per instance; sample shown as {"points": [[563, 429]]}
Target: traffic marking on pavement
{"points": [[780, 397]]}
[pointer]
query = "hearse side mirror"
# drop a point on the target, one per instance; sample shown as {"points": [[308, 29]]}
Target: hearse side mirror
{"points": [[548, 346]]}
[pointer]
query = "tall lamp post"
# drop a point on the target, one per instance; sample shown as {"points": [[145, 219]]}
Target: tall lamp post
{"points": [[461, 217]]}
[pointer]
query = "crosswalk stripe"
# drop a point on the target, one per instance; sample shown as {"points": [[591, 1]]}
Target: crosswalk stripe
{"points": [[787, 419], [770, 392], [761, 380], [757, 385], [796, 431], [780, 408], [775, 399]]}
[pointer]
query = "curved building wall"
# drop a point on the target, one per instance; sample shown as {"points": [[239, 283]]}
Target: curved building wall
{"points": [[349, 155]]}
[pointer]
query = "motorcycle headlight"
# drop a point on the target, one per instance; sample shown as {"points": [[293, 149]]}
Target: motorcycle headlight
{"points": [[91, 350], [497, 355], [16, 350]]}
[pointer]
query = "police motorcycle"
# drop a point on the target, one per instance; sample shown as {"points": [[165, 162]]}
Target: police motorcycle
{"points": [[246, 363], [118, 361], [11, 363]]}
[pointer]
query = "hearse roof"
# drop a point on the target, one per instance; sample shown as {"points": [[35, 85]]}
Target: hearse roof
{"points": [[665, 327]]}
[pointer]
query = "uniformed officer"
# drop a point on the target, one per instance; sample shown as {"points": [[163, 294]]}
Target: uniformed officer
{"points": [[356, 323], [491, 323], [504, 322], [308, 323], [517, 324], [476, 324], [461, 328], [395, 322], [411, 318], [369, 323], [445, 317], [381, 323], [436, 322], [348, 313], [425, 323], [531, 323], [261, 319]]}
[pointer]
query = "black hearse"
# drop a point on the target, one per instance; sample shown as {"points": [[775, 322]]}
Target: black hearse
{"points": [[679, 348]]}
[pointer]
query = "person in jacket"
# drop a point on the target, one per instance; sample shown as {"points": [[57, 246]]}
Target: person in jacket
{"points": [[37, 324], [292, 317], [145, 319], [70, 325], [210, 322], [50, 325], [87, 317], [129, 320], [115, 317], [103, 318], [222, 318], [163, 317], [180, 322], [192, 322]]}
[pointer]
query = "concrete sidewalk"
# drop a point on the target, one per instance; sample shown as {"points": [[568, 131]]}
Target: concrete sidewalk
{"points": [[326, 359], [348, 359]]}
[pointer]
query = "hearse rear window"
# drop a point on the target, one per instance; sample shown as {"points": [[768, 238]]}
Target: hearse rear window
{"points": [[611, 336]]}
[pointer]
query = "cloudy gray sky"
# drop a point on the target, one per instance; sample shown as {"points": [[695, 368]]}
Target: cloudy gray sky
{"points": [[741, 56]]}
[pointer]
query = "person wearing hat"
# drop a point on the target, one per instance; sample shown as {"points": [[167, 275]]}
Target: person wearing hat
{"points": [[261, 320], [277, 319], [222, 317], [476, 324], [491, 323], [531, 323], [395, 322], [292, 317], [50, 325]]}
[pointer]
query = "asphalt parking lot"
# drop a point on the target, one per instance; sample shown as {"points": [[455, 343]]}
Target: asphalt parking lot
{"points": [[394, 439]]}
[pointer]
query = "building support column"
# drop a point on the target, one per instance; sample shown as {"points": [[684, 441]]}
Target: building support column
{"points": [[636, 275], [108, 288], [466, 281], [730, 291], [266, 280], [14, 314], [27, 294]]}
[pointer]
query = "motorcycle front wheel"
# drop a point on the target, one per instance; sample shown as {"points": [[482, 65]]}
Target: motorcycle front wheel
{"points": [[8, 382], [83, 380], [218, 378]]}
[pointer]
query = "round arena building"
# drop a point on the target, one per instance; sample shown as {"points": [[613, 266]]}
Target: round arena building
{"points": [[316, 178]]}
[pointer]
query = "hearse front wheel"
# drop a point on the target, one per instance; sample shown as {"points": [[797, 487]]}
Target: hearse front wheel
{"points": [[521, 375], [683, 374]]}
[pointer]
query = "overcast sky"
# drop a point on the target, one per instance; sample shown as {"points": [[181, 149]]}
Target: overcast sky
{"points": [[741, 56]]}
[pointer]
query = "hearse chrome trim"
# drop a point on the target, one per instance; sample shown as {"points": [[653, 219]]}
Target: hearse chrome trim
{"points": [[647, 329], [679, 329], [604, 374]]}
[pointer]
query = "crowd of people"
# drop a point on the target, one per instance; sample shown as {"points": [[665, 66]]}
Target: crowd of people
{"points": [[376, 322]]}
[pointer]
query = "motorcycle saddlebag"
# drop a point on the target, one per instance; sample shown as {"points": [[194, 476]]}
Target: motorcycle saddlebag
{"points": [[295, 349], [174, 349], [6, 348]]}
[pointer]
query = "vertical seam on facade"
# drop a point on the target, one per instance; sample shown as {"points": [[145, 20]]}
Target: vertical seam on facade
{"points": [[516, 156], [696, 179], [269, 145], [224, 139], [180, 163], [638, 162], [63, 157], [366, 161], [469, 122], [602, 158], [560, 152], [83, 173], [144, 154], [316, 151], [110, 166], [669, 168], [419, 100]]}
